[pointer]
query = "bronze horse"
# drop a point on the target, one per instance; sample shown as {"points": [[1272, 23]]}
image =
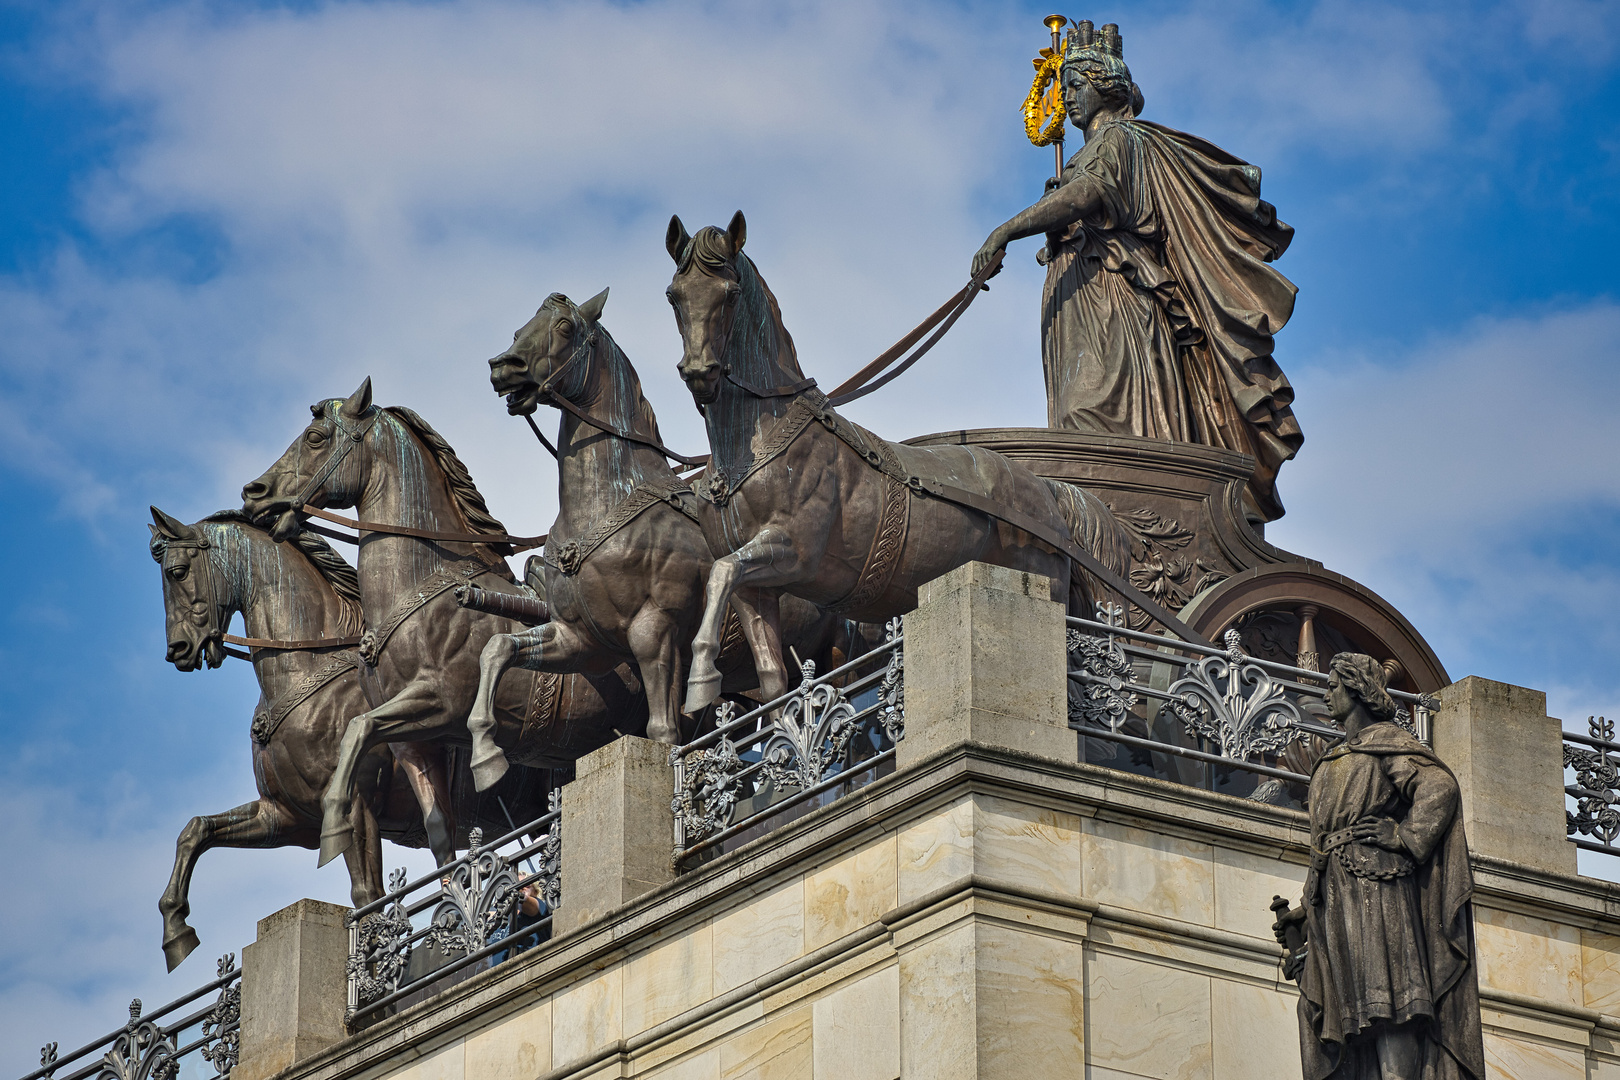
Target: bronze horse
{"points": [[809, 503], [421, 649], [626, 558], [292, 593]]}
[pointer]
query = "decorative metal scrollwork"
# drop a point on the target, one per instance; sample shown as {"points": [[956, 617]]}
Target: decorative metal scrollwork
{"points": [[1234, 703], [708, 782], [382, 947], [47, 1058], [812, 735], [479, 896], [892, 690], [142, 1052], [549, 857], [222, 1026], [1597, 782], [1102, 699]]}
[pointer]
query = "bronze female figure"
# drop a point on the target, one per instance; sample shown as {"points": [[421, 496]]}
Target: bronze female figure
{"points": [[1160, 304]]}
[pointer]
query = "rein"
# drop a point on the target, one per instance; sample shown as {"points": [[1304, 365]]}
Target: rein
{"points": [[521, 543], [548, 392]]}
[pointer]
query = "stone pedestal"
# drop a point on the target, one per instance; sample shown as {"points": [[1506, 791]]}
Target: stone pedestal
{"points": [[979, 665], [1508, 757], [293, 988], [617, 829]]}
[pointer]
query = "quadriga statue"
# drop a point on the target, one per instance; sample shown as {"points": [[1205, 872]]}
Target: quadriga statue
{"points": [[1383, 944], [1160, 303]]}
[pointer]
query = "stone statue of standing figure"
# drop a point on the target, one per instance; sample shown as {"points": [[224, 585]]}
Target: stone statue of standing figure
{"points": [[1160, 301], [1387, 977]]}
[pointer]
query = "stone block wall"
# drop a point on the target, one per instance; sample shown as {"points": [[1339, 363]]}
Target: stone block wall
{"points": [[983, 912]]}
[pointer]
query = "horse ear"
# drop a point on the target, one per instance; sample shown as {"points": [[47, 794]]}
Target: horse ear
{"points": [[676, 238], [358, 402], [168, 527], [591, 309], [737, 232]]}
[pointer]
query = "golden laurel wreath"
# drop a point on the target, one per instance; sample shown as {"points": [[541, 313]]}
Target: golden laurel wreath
{"points": [[1043, 112]]}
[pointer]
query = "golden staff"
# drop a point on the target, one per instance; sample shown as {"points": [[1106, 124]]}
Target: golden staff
{"points": [[1043, 108]]}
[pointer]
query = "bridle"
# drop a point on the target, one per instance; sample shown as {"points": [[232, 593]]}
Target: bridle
{"points": [[346, 438], [208, 595], [548, 392]]}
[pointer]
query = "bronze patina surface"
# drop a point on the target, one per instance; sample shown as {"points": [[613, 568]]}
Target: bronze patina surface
{"points": [[1388, 979], [419, 658], [296, 592], [626, 561], [810, 504], [1160, 303]]}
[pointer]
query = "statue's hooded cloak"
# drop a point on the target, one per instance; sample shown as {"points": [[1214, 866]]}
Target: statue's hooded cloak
{"points": [[1164, 190], [1445, 885]]}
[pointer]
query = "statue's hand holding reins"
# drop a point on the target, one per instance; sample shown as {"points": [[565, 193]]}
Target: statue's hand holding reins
{"points": [[992, 246]]}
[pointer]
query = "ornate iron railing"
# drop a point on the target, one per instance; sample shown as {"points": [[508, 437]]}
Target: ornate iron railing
{"points": [[1594, 758], [829, 735], [1215, 718], [463, 913], [158, 1045]]}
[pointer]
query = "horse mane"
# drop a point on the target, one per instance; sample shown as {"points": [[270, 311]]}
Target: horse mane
{"points": [[333, 568], [643, 419], [463, 492]]}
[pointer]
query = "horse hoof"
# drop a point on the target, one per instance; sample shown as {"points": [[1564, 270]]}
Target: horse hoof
{"points": [[180, 946], [701, 692], [487, 772], [334, 844]]}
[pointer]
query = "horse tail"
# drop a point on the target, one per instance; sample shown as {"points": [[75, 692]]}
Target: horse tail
{"points": [[1093, 526]]}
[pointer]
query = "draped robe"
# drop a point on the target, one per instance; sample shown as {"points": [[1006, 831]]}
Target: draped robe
{"points": [[1160, 306], [1390, 935]]}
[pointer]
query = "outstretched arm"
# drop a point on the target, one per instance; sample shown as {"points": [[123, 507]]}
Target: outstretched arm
{"points": [[1056, 211]]}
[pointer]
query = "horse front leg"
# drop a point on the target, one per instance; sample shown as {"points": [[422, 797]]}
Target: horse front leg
{"points": [[261, 823], [410, 711], [703, 681], [759, 613], [771, 558], [364, 858], [488, 763], [425, 772], [652, 640]]}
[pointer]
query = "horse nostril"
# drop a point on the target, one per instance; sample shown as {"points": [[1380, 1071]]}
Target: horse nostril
{"points": [[177, 651], [258, 489]]}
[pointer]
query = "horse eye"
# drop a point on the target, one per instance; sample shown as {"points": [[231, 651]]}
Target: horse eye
{"points": [[732, 289], [669, 294], [565, 328], [178, 572], [315, 438]]}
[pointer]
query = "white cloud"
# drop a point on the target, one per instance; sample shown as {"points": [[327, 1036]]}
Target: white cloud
{"points": [[394, 187]]}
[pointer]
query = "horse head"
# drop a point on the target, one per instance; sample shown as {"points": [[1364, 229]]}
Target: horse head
{"points": [[550, 353], [318, 469], [705, 293], [194, 611]]}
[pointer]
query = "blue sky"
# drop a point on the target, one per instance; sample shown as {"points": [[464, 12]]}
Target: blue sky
{"points": [[214, 213]]}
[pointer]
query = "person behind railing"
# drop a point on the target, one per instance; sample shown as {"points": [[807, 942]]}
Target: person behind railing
{"points": [[528, 911]]}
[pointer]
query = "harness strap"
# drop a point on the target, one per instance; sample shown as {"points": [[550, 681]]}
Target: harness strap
{"points": [[571, 554], [373, 640], [628, 436], [521, 543], [787, 390], [305, 643], [714, 486], [268, 718]]}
